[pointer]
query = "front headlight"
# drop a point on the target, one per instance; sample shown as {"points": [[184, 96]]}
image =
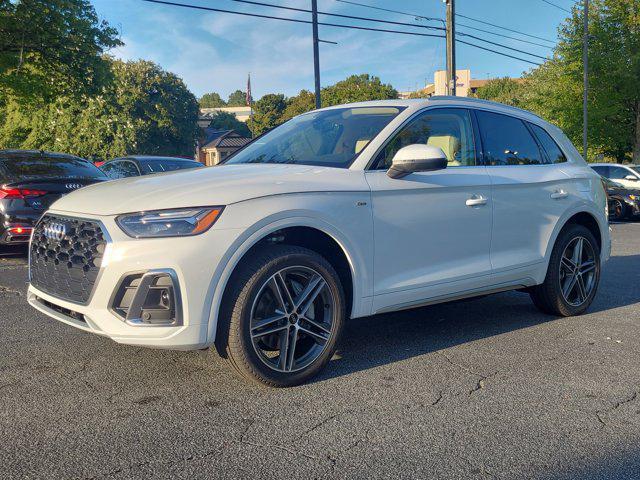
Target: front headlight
{"points": [[179, 222]]}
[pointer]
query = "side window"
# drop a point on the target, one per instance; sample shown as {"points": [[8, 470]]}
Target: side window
{"points": [[550, 146], [618, 173], [449, 129], [602, 170], [507, 141], [120, 169]]}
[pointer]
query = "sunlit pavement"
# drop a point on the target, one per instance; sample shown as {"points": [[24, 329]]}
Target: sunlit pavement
{"points": [[488, 388]]}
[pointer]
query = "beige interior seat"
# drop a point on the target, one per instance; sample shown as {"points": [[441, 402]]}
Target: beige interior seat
{"points": [[449, 144], [360, 144]]}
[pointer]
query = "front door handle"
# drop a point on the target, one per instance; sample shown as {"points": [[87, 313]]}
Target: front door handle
{"points": [[476, 201], [558, 194]]}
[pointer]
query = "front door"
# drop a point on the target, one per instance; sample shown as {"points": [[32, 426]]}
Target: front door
{"points": [[432, 230]]}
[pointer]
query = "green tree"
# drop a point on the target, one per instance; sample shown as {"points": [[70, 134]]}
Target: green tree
{"points": [[237, 99], [504, 90], [357, 88], [52, 47], [228, 121], [267, 113], [144, 110], [554, 90], [211, 100], [304, 102]]}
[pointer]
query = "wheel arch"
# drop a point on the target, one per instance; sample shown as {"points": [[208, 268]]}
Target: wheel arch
{"points": [[307, 232]]}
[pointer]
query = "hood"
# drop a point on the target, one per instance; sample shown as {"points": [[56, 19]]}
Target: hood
{"points": [[221, 185]]}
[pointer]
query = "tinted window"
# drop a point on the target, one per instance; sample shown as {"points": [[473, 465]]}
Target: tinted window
{"points": [[618, 173], [602, 170], [156, 166], [449, 129], [552, 149], [507, 141], [47, 167], [331, 138], [120, 169]]}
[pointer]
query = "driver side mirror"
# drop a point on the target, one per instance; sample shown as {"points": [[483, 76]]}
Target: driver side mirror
{"points": [[417, 158], [633, 178]]}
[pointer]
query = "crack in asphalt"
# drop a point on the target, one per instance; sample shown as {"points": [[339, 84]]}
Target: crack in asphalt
{"points": [[614, 407], [10, 290], [481, 381]]}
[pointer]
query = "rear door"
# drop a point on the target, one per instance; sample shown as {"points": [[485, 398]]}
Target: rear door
{"points": [[529, 192]]}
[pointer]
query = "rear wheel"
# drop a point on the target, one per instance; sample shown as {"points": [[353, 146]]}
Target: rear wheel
{"points": [[573, 275], [283, 316]]}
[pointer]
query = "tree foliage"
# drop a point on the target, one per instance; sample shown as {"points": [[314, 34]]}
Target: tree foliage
{"points": [[237, 99], [211, 100], [267, 113], [144, 110], [52, 47], [357, 88], [504, 90], [228, 121]]}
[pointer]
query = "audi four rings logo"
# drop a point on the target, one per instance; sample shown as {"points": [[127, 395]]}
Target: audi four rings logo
{"points": [[55, 231], [73, 186]]}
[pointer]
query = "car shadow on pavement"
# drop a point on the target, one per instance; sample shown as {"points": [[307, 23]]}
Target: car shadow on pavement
{"points": [[378, 340]]}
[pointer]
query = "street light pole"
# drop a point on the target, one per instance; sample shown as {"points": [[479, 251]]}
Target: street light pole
{"points": [[316, 51], [585, 68], [451, 47]]}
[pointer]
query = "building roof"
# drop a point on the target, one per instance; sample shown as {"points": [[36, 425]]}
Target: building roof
{"points": [[223, 139]]}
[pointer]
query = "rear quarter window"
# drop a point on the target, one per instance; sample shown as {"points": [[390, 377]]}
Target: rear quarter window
{"points": [[553, 151]]}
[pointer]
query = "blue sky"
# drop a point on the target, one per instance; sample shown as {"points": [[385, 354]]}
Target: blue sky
{"points": [[215, 51]]}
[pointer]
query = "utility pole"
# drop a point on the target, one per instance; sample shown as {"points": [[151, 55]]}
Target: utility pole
{"points": [[451, 47], [316, 51], [585, 68]]}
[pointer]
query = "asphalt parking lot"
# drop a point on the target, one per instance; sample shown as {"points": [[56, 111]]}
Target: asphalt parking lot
{"points": [[488, 388]]}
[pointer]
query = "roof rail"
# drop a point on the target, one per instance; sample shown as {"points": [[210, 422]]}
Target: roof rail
{"points": [[485, 102]]}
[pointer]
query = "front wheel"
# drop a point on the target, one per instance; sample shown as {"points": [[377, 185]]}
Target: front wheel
{"points": [[618, 210], [283, 316], [573, 275]]}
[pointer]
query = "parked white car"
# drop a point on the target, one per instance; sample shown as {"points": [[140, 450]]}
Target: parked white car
{"points": [[626, 175], [339, 213]]}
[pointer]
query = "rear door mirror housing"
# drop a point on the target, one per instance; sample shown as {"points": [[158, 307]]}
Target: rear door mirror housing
{"points": [[417, 158]]}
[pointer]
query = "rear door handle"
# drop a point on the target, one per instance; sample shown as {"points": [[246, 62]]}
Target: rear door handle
{"points": [[476, 201], [558, 194]]}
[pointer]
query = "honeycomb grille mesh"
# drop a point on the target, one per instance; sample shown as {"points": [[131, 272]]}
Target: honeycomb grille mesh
{"points": [[66, 266]]}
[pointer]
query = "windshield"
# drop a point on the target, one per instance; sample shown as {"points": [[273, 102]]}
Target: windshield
{"points": [[21, 167], [156, 166], [330, 138]]}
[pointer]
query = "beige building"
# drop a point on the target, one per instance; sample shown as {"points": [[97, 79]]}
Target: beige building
{"points": [[206, 114], [465, 85]]}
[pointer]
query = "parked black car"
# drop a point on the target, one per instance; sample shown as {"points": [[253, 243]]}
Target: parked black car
{"points": [[624, 203], [30, 181], [137, 165]]}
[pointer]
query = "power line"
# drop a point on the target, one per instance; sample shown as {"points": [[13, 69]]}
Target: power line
{"points": [[504, 28], [499, 53], [555, 5], [369, 19], [295, 20], [355, 27], [413, 15], [417, 16], [503, 35]]}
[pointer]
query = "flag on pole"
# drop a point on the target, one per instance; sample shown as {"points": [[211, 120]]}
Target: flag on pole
{"points": [[249, 98]]}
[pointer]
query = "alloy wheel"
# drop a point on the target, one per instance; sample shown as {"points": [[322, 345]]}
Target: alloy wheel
{"points": [[291, 319], [578, 271]]}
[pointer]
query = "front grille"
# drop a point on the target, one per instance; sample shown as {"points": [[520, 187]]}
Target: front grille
{"points": [[65, 256]]}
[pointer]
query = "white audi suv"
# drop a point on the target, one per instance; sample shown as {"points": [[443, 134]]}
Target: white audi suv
{"points": [[339, 213]]}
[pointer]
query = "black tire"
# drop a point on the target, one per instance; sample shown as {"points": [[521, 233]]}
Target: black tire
{"points": [[234, 340], [548, 296], [618, 210]]}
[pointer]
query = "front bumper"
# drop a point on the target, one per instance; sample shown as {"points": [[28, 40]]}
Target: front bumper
{"points": [[192, 260]]}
